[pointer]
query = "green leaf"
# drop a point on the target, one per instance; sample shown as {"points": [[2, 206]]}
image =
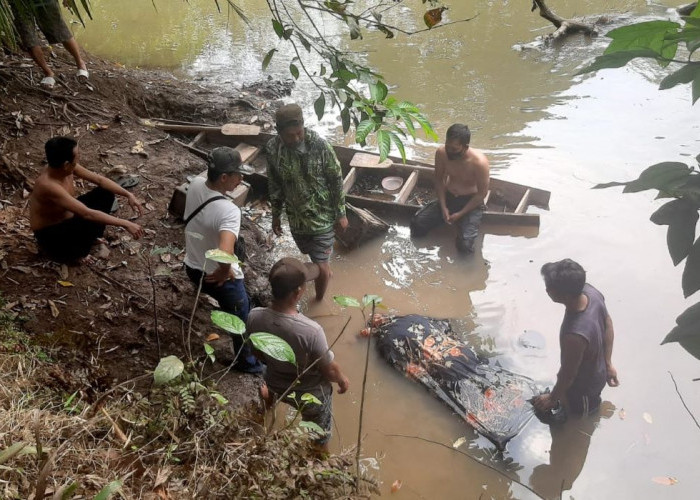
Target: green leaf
{"points": [[209, 350], [323, 70], [288, 33], [686, 74], [273, 346], [691, 272], [384, 143], [67, 491], [426, 126], [219, 398], [220, 256], [11, 451], [304, 42], [696, 89], [399, 145], [645, 36], [279, 29], [169, 368], [378, 91], [307, 397], [690, 316], [345, 301], [663, 176], [363, 130], [268, 58], [609, 185], [320, 106], [109, 490], [687, 332], [346, 76], [368, 299], [312, 426], [616, 60], [294, 71], [229, 322], [355, 31], [681, 217], [345, 119]]}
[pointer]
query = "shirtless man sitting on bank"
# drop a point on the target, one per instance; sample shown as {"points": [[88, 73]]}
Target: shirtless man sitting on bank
{"points": [[66, 227], [461, 183]]}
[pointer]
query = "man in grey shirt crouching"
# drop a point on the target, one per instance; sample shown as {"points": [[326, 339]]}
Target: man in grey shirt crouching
{"points": [[307, 339]]}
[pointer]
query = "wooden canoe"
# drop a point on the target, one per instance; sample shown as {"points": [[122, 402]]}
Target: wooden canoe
{"points": [[506, 204]]}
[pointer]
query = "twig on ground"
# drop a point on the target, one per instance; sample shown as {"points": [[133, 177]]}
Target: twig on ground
{"points": [[362, 404], [683, 401], [155, 302], [187, 346]]}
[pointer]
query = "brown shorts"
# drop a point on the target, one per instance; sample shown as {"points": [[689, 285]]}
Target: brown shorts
{"points": [[48, 18], [318, 247]]}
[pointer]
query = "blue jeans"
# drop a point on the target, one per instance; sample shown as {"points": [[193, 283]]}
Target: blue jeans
{"points": [[232, 298]]}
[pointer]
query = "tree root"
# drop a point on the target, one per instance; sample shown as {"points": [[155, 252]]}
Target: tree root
{"points": [[565, 27]]}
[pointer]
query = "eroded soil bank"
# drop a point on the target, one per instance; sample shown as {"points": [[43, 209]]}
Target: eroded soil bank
{"points": [[101, 317]]}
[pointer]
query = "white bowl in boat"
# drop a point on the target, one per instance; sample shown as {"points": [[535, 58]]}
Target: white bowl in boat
{"points": [[392, 184]]}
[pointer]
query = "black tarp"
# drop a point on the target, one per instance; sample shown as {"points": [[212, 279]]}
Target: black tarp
{"points": [[489, 398]]}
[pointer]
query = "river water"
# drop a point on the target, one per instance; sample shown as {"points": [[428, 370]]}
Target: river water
{"points": [[542, 126]]}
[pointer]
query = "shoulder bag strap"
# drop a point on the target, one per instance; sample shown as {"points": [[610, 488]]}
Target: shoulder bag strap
{"points": [[200, 207]]}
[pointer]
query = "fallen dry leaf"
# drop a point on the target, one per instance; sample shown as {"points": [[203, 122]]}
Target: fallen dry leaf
{"points": [[54, 309], [212, 336], [396, 486], [65, 283], [622, 414], [665, 480], [459, 442], [647, 418]]}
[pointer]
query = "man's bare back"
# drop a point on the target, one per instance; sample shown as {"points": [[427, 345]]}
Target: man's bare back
{"points": [[43, 209]]}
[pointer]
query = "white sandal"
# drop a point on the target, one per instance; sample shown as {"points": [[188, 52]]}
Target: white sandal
{"points": [[48, 82], [82, 74]]}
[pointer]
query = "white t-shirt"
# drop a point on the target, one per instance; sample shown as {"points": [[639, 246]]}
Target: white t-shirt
{"points": [[202, 233]]}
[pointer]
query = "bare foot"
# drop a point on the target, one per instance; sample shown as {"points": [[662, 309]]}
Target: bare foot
{"points": [[87, 260], [265, 395]]}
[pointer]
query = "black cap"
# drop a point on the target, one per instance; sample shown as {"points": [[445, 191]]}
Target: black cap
{"points": [[289, 115], [225, 160]]}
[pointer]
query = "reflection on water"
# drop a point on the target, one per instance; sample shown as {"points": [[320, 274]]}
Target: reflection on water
{"points": [[540, 126]]}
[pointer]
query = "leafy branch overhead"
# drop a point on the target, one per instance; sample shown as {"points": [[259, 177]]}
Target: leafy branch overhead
{"points": [[680, 182], [360, 95], [663, 41]]}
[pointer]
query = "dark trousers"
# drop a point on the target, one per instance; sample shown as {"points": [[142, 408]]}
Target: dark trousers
{"points": [[232, 298], [72, 239], [430, 217]]}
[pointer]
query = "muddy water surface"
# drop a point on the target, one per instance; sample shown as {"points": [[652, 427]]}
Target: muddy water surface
{"points": [[540, 125]]}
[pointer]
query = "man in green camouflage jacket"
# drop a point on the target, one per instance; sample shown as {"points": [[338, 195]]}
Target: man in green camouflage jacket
{"points": [[305, 179]]}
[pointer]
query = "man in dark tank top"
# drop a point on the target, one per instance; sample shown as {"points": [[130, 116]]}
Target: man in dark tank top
{"points": [[585, 338]]}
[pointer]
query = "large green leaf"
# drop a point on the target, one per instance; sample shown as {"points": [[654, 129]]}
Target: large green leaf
{"points": [[220, 256], [368, 299], [229, 322], [686, 74], [279, 29], [307, 397], [649, 35], [320, 106], [312, 426], [690, 316], [681, 218], [616, 60], [691, 272], [273, 346], [345, 301], [687, 332], [399, 145], [696, 90], [109, 490], [294, 70], [662, 176], [169, 368], [378, 91], [384, 143], [363, 130]]}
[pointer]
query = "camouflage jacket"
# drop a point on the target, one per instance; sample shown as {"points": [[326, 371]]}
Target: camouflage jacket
{"points": [[308, 185]]}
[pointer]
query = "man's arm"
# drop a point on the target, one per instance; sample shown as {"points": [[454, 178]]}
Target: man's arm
{"points": [[332, 373], [109, 185], [482, 188], [64, 200], [274, 188], [572, 348], [227, 242], [608, 340], [440, 180]]}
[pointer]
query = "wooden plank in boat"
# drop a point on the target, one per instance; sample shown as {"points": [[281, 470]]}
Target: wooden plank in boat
{"points": [[407, 188], [366, 160], [349, 180]]}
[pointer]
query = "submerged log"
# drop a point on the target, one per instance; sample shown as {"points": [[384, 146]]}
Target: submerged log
{"points": [[363, 225], [565, 27]]}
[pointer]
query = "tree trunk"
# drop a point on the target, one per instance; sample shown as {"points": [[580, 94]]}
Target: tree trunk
{"points": [[363, 225], [564, 27]]}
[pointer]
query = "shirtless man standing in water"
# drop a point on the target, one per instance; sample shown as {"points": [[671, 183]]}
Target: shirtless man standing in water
{"points": [[66, 227], [461, 183]]}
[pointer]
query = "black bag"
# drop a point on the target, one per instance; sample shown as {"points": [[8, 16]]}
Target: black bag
{"points": [[239, 247]]}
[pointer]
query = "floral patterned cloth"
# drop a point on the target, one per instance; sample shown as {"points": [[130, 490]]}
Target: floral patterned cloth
{"points": [[491, 399]]}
